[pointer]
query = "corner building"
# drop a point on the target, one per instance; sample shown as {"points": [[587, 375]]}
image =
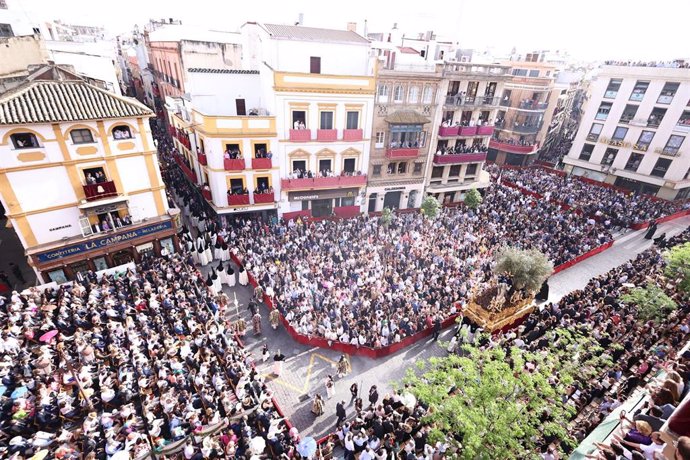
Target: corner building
{"points": [[79, 176]]}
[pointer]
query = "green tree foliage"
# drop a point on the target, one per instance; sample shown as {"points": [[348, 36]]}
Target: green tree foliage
{"points": [[473, 198], [528, 268], [430, 207], [678, 266], [488, 405], [651, 302], [386, 217]]}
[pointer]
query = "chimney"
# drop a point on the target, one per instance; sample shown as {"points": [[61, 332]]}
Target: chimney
{"points": [[300, 20], [395, 25], [352, 26]]}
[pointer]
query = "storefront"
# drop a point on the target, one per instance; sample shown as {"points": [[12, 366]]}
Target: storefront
{"points": [[61, 262], [394, 197], [324, 203]]}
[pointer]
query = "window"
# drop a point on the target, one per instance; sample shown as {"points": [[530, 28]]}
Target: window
{"points": [[629, 113], [240, 107], [612, 89], [533, 73], [6, 30], [471, 169], [376, 170], [380, 138], [644, 141], [325, 166], [237, 186], [407, 137], [299, 119], [233, 150], [639, 90], [634, 161], [594, 132], [382, 93], [326, 120], [413, 95], [668, 92], [673, 145], [262, 183], [437, 172], [619, 133], [85, 226], [24, 140], [314, 64], [684, 120], [661, 166], [609, 157], [418, 168], [122, 132], [299, 165], [454, 170], [352, 120], [81, 136], [391, 168], [656, 117], [520, 72], [260, 148], [428, 96], [402, 167], [349, 165], [586, 153], [603, 112], [398, 94]]}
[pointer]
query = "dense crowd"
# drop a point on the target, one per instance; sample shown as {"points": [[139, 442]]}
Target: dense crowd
{"points": [[361, 282], [611, 206], [638, 349], [462, 148], [131, 362]]}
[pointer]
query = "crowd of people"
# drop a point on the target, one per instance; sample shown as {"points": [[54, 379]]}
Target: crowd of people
{"points": [[128, 363], [365, 283], [638, 349], [555, 153], [308, 174], [611, 206], [461, 148], [512, 141]]}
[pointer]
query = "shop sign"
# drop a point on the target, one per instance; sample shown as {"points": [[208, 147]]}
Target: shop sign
{"points": [[106, 240]]}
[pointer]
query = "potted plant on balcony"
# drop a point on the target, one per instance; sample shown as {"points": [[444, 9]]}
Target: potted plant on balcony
{"points": [[472, 198], [430, 207]]}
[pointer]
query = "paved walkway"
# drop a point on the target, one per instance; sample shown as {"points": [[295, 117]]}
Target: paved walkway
{"points": [[306, 368]]}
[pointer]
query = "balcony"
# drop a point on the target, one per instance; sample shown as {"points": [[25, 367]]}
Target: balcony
{"points": [[668, 151], [610, 94], [326, 135], [467, 131], [530, 128], [264, 198], [261, 163], [459, 158], [202, 158], [236, 164], [467, 101], [505, 102], [238, 200], [531, 105], [353, 135], [185, 169], [101, 190], [486, 130], [300, 135], [324, 182], [402, 153], [206, 193], [448, 131], [513, 148]]}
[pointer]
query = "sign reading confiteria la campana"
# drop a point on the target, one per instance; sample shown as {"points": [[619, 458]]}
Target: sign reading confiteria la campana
{"points": [[106, 240]]}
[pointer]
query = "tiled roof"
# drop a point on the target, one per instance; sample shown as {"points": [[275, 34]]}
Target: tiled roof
{"points": [[42, 101], [406, 117], [234, 71], [407, 50], [314, 34]]}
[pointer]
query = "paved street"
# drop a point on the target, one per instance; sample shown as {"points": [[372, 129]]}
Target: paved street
{"points": [[306, 368]]}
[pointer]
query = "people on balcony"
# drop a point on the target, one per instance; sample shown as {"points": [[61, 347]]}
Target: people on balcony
{"points": [[511, 141], [461, 149], [263, 190], [405, 145], [261, 153], [232, 154], [299, 125], [238, 191], [302, 174]]}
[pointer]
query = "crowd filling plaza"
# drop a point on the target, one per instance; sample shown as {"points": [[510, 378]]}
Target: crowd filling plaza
{"points": [[149, 359]]}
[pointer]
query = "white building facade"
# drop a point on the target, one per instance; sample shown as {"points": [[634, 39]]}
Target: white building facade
{"points": [[633, 131]]}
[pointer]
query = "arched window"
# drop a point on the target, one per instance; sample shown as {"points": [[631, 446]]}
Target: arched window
{"points": [[24, 140], [398, 93], [413, 94], [122, 132], [382, 93], [428, 97]]}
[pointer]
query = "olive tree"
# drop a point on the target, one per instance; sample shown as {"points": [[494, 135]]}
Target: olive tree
{"points": [[528, 268]]}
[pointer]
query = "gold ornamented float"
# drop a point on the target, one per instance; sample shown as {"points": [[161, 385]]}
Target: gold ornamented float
{"points": [[493, 308]]}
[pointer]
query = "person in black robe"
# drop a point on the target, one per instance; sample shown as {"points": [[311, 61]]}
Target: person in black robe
{"points": [[543, 293], [651, 231]]}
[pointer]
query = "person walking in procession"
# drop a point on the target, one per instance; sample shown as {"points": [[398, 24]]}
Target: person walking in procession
{"points": [[340, 412], [354, 389]]}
